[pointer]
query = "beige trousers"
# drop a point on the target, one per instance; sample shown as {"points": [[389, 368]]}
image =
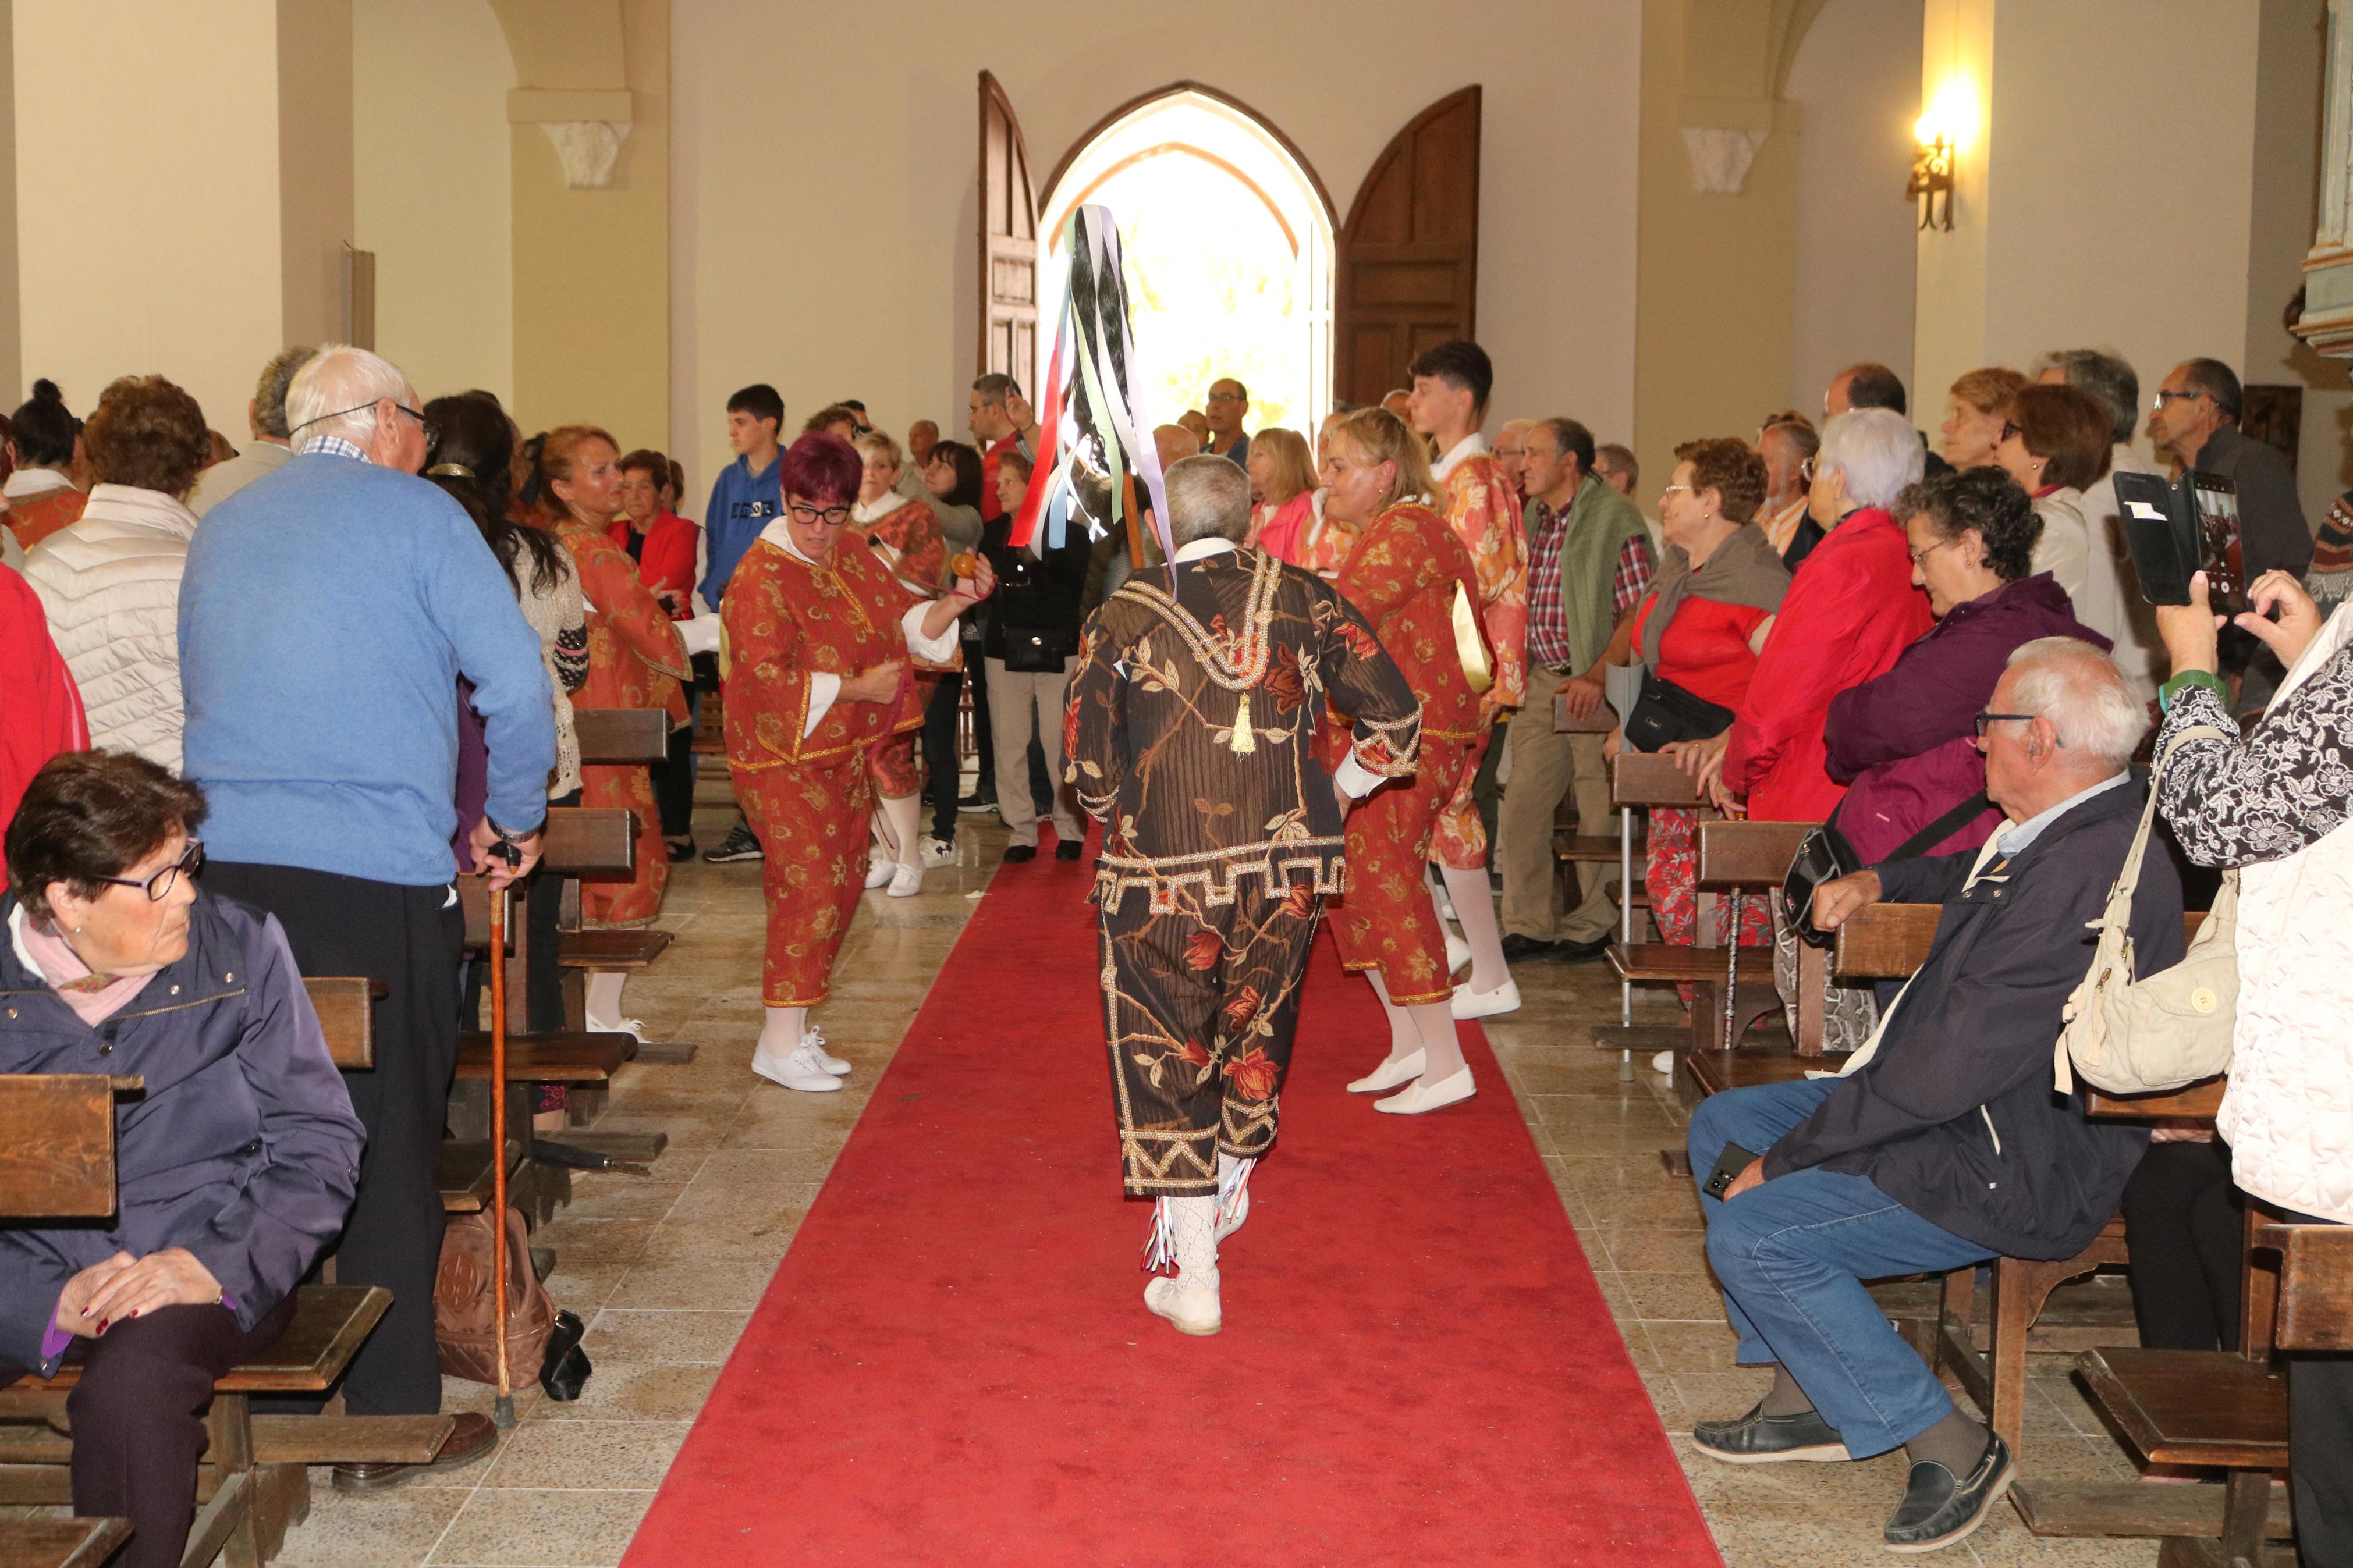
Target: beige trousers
{"points": [[1017, 702], [1546, 765]]}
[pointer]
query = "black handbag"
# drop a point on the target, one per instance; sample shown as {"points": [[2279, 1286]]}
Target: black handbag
{"points": [[1666, 713], [1825, 855], [1036, 650]]}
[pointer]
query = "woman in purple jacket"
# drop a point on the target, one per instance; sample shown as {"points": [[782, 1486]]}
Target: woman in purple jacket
{"points": [[235, 1165], [1904, 742]]}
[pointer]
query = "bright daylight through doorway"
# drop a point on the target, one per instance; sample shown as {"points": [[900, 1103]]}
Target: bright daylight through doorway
{"points": [[1229, 249]]}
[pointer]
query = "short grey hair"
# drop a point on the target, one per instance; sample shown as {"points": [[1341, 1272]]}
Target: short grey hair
{"points": [[2107, 376], [337, 392], [269, 392], [1877, 449], [1209, 498], [995, 387], [2083, 693]]}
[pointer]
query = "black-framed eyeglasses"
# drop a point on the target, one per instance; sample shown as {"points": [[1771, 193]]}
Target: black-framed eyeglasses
{"points": [[432, 430], [2009, 428], [159, 886], [2165, 398], [1986, 718], [811, 516]]}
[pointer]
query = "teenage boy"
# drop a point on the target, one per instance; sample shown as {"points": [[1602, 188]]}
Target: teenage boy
{"points": [[744, 499]]}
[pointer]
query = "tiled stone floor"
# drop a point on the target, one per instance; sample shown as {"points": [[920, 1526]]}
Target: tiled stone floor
{"points": [[667, 1269]]}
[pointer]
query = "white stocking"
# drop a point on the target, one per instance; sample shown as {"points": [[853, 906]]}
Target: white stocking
{"points": [[898, 820], [780, 1036], [604, 1003], [1474, 908], [1434, 1027], [1185, 1232], [1404, 1039]]}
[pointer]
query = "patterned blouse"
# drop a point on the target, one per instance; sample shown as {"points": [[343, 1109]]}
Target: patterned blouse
{"points": [[2286, 787]]}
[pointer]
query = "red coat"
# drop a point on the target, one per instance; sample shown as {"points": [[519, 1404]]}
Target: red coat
{"points": [[667, 562], [40, 710], [1849, 614]]}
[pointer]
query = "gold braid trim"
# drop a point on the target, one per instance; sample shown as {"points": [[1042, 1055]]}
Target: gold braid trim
{"points": [[1237, 660]]}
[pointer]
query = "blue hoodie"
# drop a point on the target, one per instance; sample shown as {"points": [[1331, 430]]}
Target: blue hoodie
{"points": [[742, 504]]}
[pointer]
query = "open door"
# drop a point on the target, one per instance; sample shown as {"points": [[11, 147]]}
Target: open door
{"points": [[1008, 243], [1409, 255]]}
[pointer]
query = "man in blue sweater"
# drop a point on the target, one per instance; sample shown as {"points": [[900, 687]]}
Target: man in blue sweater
{"points": [[328, 611], [744, 499]]}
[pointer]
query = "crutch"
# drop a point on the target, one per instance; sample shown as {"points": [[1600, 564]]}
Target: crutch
{"points": [[504, 1414]]}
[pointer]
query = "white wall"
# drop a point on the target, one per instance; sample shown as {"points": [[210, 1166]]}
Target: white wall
{"points": [[147, 165], [1856, 78], [433, 197], [824, 220]]}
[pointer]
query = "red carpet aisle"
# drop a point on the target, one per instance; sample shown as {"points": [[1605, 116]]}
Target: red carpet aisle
{"points": [[953, 1365]]}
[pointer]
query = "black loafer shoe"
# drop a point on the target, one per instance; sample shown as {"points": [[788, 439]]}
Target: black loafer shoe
{"points": [[1067, 849], [1014, 854], [1939, 1510], [1582, 952], [1758, 1438], [1519, 949]]}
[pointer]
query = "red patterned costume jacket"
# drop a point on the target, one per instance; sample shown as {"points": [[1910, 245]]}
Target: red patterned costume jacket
{"points": [[908, 542], [1484, 511]]}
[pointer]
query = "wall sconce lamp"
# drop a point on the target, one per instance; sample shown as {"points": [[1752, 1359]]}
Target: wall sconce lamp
{"points": [[1932, 174]]}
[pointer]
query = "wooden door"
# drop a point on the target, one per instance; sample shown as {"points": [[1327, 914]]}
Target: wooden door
{"points": [[1008, 243], [1409, 263]]}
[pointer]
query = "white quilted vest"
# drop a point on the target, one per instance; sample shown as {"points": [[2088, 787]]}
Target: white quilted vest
{"points": [[2288, 1111]]}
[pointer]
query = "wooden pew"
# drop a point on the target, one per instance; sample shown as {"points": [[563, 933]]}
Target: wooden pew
{"points": [[61, 1542], [57, 1143], [621, 736], [1640, 781]]}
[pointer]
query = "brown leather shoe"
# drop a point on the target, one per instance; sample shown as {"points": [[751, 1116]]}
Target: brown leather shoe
{"points": [[473, 1438]]}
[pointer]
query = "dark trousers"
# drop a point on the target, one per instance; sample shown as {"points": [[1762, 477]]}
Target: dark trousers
{"points": [[2320, 1451], [673, 777], [409, 938], [2183, 1224], [138, 1417], [940, 781]]}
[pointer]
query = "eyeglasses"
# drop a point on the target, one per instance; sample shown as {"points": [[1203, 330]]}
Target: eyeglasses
{"points": [[1986, 718], [159, 886], [1225, 397], [2165, 398], [432, 430], [1920, 555], [811, 516], [2009, 428], [1676, 490]]}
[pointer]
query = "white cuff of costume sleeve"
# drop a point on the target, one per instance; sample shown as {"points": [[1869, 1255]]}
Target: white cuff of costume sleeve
{"points": [[699, 634], [823, 689], [931, 650], [1356, 780]]}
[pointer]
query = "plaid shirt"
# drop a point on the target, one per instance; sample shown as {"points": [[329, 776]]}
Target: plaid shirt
{"points": [[332, 447], [1547, 617]]}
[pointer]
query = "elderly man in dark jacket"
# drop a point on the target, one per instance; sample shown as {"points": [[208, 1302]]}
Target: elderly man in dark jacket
{"points": [[1943, 1143]]}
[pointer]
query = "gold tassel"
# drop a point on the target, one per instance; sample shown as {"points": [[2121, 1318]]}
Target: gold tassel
{"points": [[1243, 739]]}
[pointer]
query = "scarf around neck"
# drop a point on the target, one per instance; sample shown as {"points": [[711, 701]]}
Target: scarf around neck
{"points": [[1744, 570]]}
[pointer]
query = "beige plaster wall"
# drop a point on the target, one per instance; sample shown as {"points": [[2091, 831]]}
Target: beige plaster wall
{"points": [[1852, 294], [314, 171], [434, 193], [12, 348], [147, 184], [823, 219]]}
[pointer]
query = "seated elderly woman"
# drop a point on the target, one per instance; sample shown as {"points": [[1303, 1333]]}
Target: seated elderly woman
{"points": [[236, 1164], [2054, 443]]}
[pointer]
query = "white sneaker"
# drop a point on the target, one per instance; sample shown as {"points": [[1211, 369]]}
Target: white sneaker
{"points": [[814, 1043], [938, 852], [1469, 1004], [800, 1070], [1421, 1098], [879, 872], [906, 881], [1190, 1309], [1458, 954], [1388, 1075], [633, 1028], [1664, 1062]]}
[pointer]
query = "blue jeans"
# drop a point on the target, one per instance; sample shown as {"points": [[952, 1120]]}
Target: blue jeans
{"points": [[1792, 1255]]}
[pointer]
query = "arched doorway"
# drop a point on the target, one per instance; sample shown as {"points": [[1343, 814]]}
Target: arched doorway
{"points": [[1228, 236]]}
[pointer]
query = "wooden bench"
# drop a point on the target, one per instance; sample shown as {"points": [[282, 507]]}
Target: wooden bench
{"points": [[61, 1542], [622, 737], [1639, 782]]}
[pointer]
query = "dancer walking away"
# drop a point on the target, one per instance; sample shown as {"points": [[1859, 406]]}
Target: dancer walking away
{"points": [[1192, 707], [816, 639], [1403, 572]]}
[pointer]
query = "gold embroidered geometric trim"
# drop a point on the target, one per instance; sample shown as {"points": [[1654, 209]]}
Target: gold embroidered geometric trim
{"points": [[1277, 865]]}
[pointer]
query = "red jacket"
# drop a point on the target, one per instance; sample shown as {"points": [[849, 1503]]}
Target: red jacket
{"points": [[1851, 612], [667, 560], [40, 710]]}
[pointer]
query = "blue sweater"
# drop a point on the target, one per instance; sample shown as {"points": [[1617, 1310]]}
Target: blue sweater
{"points": [[328, 610], [742, 504]]}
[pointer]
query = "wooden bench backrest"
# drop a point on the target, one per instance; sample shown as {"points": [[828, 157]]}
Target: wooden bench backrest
{"points": [[1649, 778], [620, 736], [1600, 721], [57, 1144], [2315, 1290], [1748, 854], [1888, 941], [474, 899], [346, 1009], [599, 843]]}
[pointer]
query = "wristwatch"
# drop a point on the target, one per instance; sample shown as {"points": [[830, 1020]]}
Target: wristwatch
{"points": [[2187, 678]]}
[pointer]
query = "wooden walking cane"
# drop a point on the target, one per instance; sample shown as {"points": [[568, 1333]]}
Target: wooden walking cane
{"points": [[502, 1414]]}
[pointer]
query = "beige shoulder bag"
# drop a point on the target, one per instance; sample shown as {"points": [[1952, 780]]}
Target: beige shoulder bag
{"points": [[2130, 1036]]}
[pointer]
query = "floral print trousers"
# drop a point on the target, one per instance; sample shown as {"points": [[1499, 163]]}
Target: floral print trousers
{"points": [[1200, 1003], [811, 822]]}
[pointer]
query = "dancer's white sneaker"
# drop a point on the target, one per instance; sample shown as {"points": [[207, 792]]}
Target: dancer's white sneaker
{"points": [[800, 1070], [1388, 1075], [879, 872], [1469, 1004], [1664, 1062], [814, 1043], [633, 1028], [1458, 954], [907, 881], [1422, 1096], [1189, 1309]]}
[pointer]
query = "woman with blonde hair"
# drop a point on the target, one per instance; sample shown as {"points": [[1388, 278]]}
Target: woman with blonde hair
{"points": [[1975, 408], [905, 538], [572, 485], [1283, 492], [1403, 569]]}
